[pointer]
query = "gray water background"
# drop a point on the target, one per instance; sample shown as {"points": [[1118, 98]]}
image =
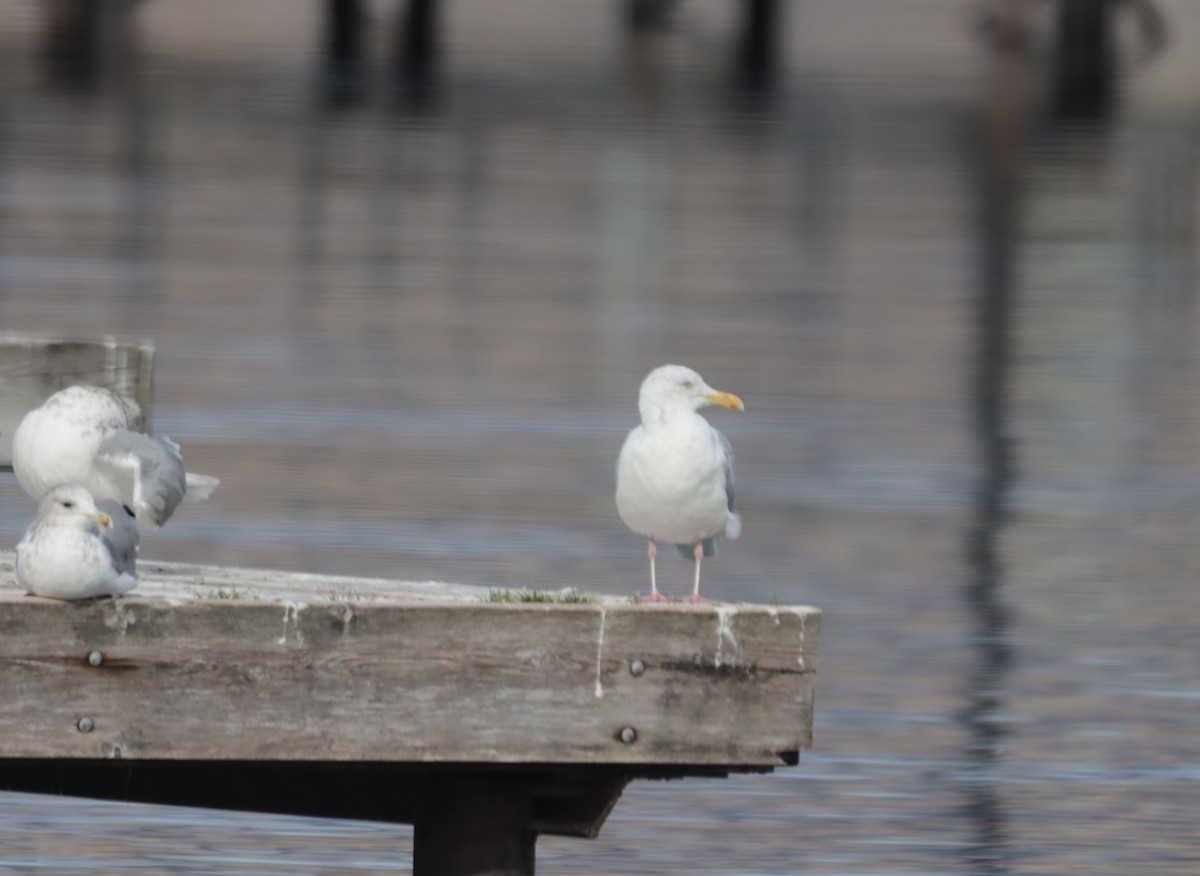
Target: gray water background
{"points": [[408, 338]]}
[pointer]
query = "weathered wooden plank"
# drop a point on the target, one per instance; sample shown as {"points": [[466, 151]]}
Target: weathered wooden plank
{"points": [[415, 682], [33, 368]]}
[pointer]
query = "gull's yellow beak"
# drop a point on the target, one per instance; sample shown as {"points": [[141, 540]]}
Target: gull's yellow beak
{"points": [[101, 518], [726, 400]]}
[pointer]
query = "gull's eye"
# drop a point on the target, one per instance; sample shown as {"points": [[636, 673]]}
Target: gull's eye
{"points": [[687, 384], [68, 504]]}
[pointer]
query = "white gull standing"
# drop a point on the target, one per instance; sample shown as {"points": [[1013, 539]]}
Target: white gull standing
{"points": [[89, 436], [74, 550], [675, 471]]}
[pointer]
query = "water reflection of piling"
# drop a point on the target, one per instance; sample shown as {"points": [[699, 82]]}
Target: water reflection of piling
{"points": [[1005, 123], [1084, 59], [417, 44], [84, 41], [414, 46], [344, 49], [648, 15], [1086, 68], [757, 57]]}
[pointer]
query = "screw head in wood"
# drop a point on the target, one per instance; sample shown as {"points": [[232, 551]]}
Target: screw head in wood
{"points": [[628, 735], [95, 658], [85, 724], [637, 667]]}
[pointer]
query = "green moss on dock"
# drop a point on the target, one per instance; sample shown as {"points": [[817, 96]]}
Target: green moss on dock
{"points": [[221, 593], [534, 594], [339, 592]]}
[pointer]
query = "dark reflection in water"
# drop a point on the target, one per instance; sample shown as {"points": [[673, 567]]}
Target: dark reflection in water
{"points": [[1087, 63], [408, 338], [1001, 150]]}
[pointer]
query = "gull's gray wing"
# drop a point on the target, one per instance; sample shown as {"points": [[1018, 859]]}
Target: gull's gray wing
{"points": [[122, 539], [730, 481], [710, 544], [149, 472]]}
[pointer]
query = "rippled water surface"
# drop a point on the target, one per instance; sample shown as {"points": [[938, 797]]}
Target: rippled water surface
{"points": [[407, 333]]}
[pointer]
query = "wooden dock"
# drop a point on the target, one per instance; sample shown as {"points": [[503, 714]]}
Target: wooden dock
{"points": [[483, 723]]}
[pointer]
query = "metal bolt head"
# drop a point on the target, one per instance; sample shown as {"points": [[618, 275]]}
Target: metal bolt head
{"points": [[628, 735], [95, 658], [85, 724], [637, 667]]}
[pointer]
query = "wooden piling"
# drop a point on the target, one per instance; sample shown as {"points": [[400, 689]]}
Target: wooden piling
{"points": [[500, 818], [34, 367]]}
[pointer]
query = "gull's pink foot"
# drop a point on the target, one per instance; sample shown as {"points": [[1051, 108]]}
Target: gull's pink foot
{"points": [[653, 597], [697, 599]]}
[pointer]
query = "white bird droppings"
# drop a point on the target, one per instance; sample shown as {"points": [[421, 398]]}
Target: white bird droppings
{"points": [[725, 614], [291, 622], [600, 655], [121, 618], [803, 618]]}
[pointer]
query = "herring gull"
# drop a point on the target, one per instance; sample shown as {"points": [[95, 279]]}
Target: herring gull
{"points": [[675, 471], [74, 550], [89, 436]]}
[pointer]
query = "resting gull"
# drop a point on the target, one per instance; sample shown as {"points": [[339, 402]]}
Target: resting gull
{"points": [[675, 472], [75, 550], [89, 436]]}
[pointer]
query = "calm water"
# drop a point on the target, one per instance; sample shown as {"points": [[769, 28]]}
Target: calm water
{"points": [[408, 338]]}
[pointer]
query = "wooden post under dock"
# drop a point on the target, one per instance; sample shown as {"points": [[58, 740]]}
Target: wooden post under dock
{"points": [[482, 723]]}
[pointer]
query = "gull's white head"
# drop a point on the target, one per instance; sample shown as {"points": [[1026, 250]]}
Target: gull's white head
{"points": [[675, 387], [72, 505]]}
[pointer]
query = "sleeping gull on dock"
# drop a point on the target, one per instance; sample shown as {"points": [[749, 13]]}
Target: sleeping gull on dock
{"points": [[675, 472], [89, 436], [74, 550]]}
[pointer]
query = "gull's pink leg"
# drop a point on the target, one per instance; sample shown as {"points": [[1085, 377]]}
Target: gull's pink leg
{"points": [[696, 597], [655, 596]]}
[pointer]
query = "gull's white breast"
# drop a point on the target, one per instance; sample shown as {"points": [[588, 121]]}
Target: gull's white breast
{"points": [[671, 481]]}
